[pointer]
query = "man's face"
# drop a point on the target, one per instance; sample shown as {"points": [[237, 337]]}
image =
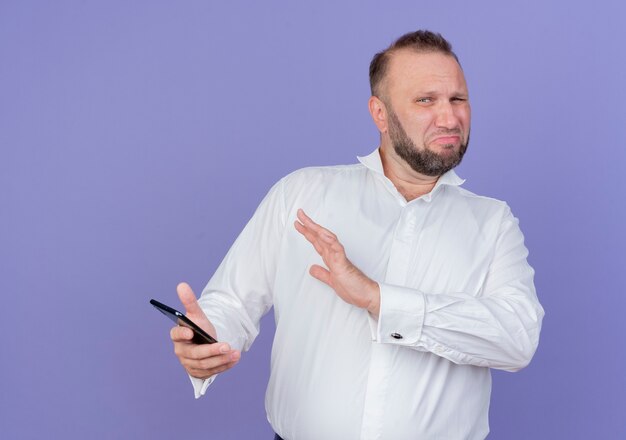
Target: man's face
{"points": [[428, 111]]}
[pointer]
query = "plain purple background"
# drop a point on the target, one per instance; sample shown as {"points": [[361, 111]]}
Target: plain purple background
{"points": [[137, 138]]}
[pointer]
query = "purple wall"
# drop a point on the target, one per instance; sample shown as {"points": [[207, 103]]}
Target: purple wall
{"points": [[136, 139]]}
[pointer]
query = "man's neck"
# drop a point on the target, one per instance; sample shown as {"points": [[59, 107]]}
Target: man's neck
{"points": [[407, 181]]}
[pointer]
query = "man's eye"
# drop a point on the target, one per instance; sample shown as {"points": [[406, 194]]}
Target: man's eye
{"points": [[459, 99], [425, 100]]}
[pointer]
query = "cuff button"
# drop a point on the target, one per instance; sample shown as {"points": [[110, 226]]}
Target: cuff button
{"points": [[396, 336]]}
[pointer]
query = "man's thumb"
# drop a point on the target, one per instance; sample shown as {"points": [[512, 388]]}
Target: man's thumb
{"points": [[188, 299]]}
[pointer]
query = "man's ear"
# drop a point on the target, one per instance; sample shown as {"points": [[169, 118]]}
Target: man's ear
{"points": [[378, 111]]}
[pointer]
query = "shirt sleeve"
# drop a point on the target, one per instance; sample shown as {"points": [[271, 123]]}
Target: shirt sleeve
{"points": [[201, 385], [240, 291], [498, 328]]}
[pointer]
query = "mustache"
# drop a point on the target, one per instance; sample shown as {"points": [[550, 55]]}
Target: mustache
{"points": [[447, 132]]}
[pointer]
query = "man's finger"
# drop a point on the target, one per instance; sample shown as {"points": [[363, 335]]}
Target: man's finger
{"points": [[215, 361], [312, 238], [187, 350], [188, 299], [318, 229], [181, 334], [303, 230], [312, 231], [320, 273], [203, 374], [308, 222], [205, 351]]}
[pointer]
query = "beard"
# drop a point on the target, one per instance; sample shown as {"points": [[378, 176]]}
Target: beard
{"points": [[424, 160]]}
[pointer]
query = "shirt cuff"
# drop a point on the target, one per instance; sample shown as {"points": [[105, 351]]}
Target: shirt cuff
{"points": [[200, 385], [401, 316]]}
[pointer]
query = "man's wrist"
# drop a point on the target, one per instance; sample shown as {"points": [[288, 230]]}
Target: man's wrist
{"points": [[374, 306]]}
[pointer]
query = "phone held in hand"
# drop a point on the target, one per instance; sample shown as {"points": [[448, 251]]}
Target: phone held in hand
{"points": [[199, 335]]}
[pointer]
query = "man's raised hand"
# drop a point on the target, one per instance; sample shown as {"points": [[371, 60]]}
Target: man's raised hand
{"points": [[352, 285]]}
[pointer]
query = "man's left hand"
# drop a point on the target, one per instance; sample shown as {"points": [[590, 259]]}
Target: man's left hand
{"points": [[352, 285]]}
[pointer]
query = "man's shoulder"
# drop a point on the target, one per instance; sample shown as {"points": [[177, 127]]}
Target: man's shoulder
{"points": [[308, 175], [480, 203], [477, 198]]}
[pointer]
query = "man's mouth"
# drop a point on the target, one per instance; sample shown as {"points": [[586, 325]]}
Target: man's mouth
{"points": [[445, 140]]}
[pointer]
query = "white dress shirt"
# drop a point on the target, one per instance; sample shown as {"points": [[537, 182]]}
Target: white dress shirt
{"points": [[457, 298]]}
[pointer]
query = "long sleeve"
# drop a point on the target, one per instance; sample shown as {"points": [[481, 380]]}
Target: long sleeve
{"points": [[498, 328], [240, 291]]}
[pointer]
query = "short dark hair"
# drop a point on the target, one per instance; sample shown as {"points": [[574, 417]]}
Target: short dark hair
{"points": [[419, 41]]}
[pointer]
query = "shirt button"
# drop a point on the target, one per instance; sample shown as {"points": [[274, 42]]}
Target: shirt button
{"points": [[396, 335]]}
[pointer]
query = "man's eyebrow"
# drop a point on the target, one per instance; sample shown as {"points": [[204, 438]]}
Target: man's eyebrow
{"points": [[457, 93]]}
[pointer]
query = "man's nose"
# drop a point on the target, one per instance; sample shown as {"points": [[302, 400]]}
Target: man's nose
{"points": [[446, 117]]}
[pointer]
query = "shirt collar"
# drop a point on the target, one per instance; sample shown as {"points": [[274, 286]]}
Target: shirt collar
{"points": [[373, 162]]}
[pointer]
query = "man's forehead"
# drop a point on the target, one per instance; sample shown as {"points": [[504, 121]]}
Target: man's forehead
{"points": [[408, 65]]}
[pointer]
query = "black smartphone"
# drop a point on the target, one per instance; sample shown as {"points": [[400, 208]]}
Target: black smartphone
{"points": [[199, 335]]}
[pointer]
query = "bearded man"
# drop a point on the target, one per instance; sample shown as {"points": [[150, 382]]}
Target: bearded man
{"points": [[393, 304]]}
